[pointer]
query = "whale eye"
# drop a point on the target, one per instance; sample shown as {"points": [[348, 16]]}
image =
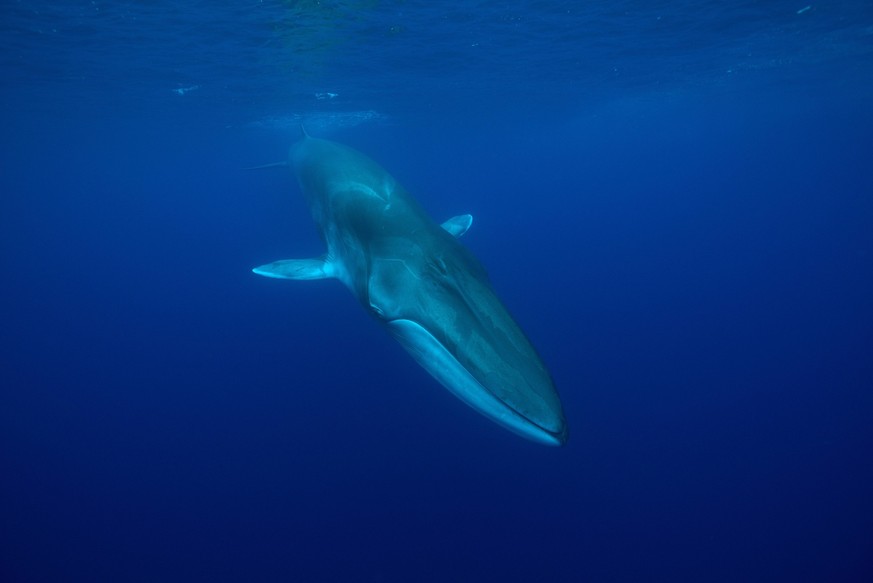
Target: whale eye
{"points": [[440, 266]]}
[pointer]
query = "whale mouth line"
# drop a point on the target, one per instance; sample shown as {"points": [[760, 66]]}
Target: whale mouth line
{"points": [[560, 437], [448, 370], [524, 425]]}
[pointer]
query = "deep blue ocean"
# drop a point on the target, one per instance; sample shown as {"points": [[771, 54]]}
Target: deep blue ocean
{"points": [[674, 200]]}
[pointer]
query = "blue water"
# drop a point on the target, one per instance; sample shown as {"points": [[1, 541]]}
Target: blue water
{"points": [[675, 200]]}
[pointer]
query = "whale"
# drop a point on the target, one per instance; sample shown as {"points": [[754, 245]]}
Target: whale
{"points": [[429, 292]]}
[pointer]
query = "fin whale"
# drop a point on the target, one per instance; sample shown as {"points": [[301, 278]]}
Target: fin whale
{"points": [[427, 289]]}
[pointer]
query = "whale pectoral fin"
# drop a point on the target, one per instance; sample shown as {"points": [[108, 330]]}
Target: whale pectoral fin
{"points": [[457, 226], [317, 268]]}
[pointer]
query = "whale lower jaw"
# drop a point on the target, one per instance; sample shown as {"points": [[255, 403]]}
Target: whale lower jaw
{"points": [[445, 368]]}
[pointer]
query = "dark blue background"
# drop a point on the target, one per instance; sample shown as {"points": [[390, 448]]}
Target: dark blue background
{"points": [[694, 261]]}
